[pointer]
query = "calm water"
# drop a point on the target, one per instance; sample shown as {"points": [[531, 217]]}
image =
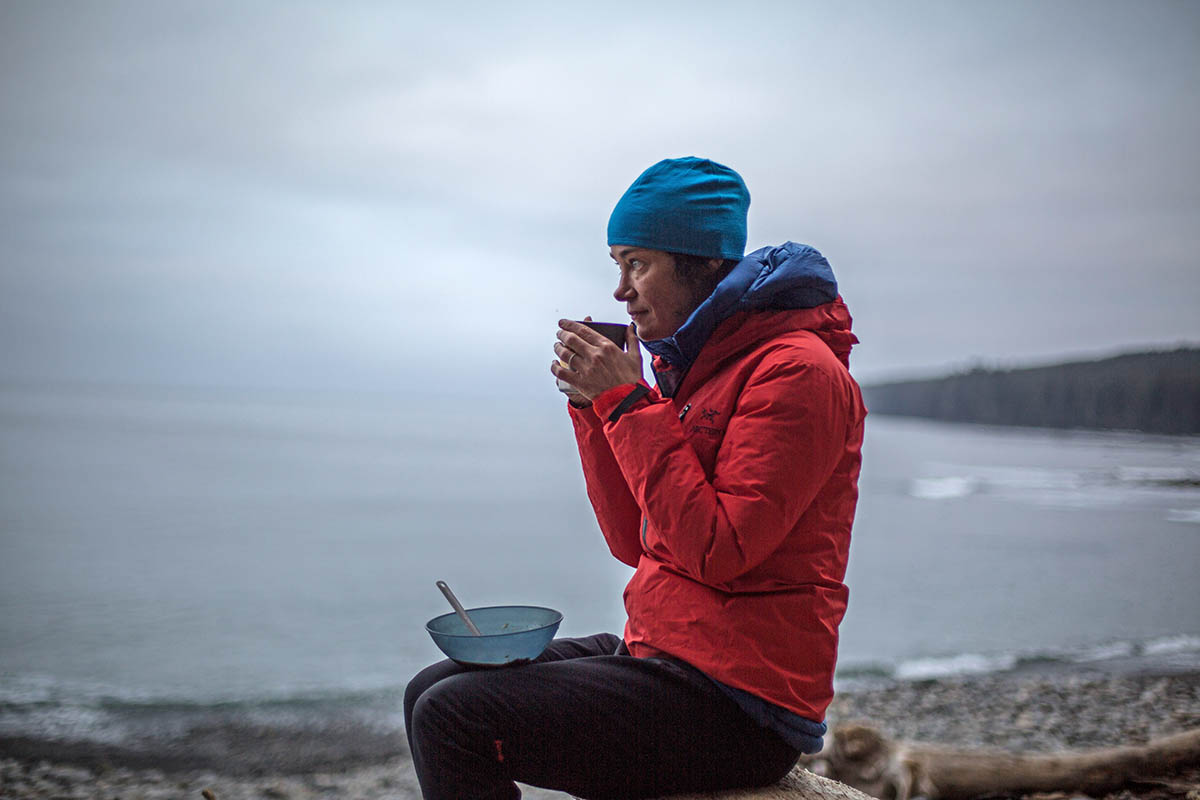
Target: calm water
{"points": [[176, 551]]}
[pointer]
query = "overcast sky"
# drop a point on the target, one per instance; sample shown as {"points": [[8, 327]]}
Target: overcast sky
{"points": [[379, 195]]}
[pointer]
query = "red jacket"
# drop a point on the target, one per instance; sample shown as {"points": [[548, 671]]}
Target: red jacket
{"points": [[734, 500]]}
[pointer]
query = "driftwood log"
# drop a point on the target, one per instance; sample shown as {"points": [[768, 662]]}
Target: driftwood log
{"points": [[897, 770], [861, 760], [799, 784]]}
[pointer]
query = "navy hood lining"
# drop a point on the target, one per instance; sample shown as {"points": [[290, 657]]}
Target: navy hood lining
{"points": [[789, 276]]}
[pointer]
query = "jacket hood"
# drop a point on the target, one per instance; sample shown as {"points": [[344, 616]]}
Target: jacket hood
{"points": [[789, 276]]}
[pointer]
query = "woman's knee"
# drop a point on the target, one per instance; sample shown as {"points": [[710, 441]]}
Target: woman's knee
{"points": [[445, 706], [425, 679]]}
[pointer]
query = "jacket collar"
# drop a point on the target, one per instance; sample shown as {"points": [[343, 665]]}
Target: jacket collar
{"points": [[790, 276]]}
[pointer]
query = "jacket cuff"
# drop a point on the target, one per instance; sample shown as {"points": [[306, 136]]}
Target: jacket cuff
{"points": [[609, 401], [583, 415]]}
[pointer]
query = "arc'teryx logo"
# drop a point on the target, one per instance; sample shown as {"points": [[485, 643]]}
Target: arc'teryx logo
{"points": [[709, 414]]}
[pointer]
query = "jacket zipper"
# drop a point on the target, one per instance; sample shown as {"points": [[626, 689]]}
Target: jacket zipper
{"points": [[646, 520]]}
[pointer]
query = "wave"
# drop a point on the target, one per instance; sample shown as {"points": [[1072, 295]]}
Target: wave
{"points": [[1170, 645], [943, 488], [37, 688], [962, 664], [1062, 487], [43, 708], [1170, 651]]}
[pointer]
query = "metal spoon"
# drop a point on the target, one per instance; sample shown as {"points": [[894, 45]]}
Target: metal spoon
{"points": [[458, 608]]}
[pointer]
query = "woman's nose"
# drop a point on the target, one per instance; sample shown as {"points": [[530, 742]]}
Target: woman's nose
{"points": [[624, 290]]}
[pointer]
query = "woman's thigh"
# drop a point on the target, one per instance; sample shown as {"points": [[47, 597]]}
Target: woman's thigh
{"points": [[557, 650], [597, 727]]}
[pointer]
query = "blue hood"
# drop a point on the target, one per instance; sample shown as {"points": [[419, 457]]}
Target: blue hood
{"points": [[774, 278]]}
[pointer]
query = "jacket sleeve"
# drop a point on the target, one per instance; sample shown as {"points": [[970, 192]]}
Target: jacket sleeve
{"points": [[782, 442], [616, 510]]}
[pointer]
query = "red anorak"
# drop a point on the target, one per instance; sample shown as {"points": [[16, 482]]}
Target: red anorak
{"points": [[734, 500]]}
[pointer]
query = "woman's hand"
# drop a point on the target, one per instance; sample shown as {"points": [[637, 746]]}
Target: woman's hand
{"points": [[594, 364]]}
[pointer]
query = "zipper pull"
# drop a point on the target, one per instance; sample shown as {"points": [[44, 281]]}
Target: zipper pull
{"points": [[683, 413]]}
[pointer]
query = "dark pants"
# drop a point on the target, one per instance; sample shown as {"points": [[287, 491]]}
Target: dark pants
{"points": [[583, 720]]}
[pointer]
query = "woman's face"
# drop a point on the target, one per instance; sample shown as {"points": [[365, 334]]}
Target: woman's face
{"points": [[658, 300]]}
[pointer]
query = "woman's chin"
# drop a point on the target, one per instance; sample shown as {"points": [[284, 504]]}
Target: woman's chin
{"points": [[647, 332]]}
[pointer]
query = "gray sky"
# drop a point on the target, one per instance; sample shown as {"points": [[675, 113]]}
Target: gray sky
{"points": [[366, 195]]}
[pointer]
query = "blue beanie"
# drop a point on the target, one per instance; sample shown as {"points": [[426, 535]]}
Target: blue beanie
{"points": [[684, 205]]}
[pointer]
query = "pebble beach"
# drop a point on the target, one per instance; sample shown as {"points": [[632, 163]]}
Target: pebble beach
{"points": [[1030, 710]]}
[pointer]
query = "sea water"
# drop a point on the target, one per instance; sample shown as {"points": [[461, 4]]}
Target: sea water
{"points": [[172, 558]]}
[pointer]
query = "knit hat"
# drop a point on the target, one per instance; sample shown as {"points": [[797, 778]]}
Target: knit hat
{"points": [[684, 205]]}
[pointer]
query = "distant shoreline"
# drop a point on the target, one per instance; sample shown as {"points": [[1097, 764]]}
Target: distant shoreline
{"points": [[1153, 392]]}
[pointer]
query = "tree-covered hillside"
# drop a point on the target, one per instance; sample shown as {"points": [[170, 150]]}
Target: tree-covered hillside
{"points": [[1157, 392]]}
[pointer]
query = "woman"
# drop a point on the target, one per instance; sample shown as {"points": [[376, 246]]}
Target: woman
{"points": [[730, 488]]}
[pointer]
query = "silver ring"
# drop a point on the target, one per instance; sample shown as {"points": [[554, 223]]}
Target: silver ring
{"points": [[571, 361]]}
